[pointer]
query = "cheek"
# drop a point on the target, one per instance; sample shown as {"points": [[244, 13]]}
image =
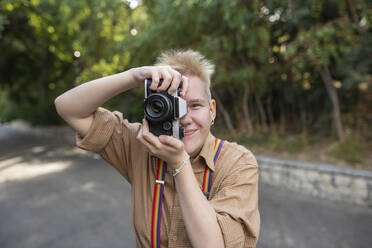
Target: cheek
{"points": [[201, 118]]}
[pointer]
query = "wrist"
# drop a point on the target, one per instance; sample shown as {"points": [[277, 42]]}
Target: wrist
{"points": [[177, 167], [133, 78]]}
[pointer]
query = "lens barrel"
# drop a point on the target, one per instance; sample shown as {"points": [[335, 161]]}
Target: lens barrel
{"points": [[158, 107]]}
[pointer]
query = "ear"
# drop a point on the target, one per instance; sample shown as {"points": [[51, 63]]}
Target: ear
{"points": [[212, 109]]}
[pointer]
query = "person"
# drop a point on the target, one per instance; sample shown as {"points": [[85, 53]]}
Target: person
{"points": [[169, 208]]}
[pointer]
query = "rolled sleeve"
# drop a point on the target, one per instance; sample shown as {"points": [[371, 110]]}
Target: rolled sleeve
{"points": [[114, 138], [99, 132], [232, 231], [236, 205]]}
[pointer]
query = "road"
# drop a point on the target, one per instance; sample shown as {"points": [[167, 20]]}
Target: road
{"points": [[54, 195]]}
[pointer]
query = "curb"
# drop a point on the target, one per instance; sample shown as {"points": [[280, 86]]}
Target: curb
{"points": [[318, 179]]}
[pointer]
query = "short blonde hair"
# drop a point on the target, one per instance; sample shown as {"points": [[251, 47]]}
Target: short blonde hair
{"points": [[189, 62]]}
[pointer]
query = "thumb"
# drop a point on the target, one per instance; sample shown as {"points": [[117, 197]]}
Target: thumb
{"points": [[170, 141]]}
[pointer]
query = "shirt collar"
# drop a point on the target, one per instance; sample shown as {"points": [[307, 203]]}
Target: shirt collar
{"points": [[207, 151]]}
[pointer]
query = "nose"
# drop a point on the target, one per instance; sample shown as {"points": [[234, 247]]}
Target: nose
{"points": [[186, 120]]}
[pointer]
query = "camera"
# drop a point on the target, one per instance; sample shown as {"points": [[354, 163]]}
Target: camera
{"points": [[164, 111]]}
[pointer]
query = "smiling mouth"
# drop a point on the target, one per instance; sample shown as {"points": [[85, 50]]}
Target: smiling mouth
{"points": [[189, 132]]}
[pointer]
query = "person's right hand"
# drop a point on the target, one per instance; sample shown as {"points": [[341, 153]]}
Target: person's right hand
{"points": [[171, 78]]}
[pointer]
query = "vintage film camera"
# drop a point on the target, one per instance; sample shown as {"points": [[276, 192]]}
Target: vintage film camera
{"points": [[163, 111]]}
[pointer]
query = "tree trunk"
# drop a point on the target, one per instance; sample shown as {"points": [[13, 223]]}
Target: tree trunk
{"points": [[224, 113], [303, 118], [270, 113], [291, 7], [353, 13], [261, 111], [327, 79], [247, 117], [282, 122], [254, 114]]}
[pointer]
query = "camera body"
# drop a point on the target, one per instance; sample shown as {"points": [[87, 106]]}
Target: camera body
{"points": [[163, 111]]}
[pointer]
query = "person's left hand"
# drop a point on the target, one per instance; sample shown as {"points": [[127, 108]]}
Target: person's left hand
{"points": [[165, 147]]}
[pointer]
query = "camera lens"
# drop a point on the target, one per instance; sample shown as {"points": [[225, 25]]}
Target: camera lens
{"points": [[157, 106]]}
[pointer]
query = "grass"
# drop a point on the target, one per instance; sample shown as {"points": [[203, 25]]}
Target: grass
{"points": [[352, 152], [277, 143]]}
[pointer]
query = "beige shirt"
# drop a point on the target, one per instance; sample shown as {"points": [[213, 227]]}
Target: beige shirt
{"points": [[234, 192]]}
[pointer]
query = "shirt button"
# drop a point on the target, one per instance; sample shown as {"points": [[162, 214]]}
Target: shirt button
{"points": [[174, 238]]}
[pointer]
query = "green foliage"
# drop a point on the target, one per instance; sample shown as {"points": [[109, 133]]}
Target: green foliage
{"points": [[267, 55], [6, 107], [49, 46]]}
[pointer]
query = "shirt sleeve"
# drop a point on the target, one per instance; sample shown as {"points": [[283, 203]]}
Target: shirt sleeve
{"points": [[236, 204], [114, 138]]}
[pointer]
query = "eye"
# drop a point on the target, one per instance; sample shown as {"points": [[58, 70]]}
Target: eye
{"points": [[195, 105]]}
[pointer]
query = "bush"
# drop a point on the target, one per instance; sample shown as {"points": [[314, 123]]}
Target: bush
{"points": [[41, 113], [6, 107]]}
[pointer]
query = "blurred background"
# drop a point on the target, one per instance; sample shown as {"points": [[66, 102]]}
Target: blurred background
{"points": [[290, 75], [293, 81]]}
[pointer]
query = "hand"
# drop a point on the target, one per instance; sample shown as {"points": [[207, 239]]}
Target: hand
{"points": [[164, 147], [170, 78]]}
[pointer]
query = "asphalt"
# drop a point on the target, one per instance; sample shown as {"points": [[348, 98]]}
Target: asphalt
{"points": [[54, 195]]}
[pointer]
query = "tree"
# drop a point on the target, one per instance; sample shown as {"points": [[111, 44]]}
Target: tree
{"points": [[48, 45], [281, 66], [325, 35]]}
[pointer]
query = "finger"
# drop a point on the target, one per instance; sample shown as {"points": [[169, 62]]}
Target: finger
{"points": [[150, 137], [143, 130], [185, 85], [139, 135], [167, 78], [153, 141], [148, 145], [142, 136], [175, 82], [171, 142], [145, 125], [155, 79]]}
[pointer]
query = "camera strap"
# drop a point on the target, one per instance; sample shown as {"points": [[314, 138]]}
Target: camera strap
{"points": [[159, 189], [207, 181]]}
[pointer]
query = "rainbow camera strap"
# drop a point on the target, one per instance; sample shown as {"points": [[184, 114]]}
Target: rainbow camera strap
{"points": [[159, 189]]}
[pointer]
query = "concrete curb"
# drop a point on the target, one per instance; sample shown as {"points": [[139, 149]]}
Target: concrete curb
{"points": [[317, 179]]}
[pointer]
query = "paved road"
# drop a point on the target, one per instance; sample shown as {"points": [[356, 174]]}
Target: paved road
{"points": [[53, 195]]}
